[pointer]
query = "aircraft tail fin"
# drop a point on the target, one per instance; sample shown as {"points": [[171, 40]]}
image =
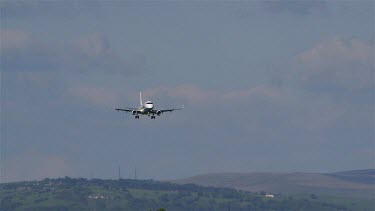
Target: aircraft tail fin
{"points": [[140, 98]]}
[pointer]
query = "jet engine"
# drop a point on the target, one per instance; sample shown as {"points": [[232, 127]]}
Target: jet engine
{"points": [[134, 112], [158, 112]]}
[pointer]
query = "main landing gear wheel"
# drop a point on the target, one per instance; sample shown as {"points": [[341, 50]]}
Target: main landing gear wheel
{"points": [[137, 117], [152, 117]]}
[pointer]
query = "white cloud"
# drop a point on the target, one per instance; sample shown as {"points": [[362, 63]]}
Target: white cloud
{"points": [[93, 53], [189, 94], [198, 96], [264, 109], [23, 51], [335, 64], [335, 52]]}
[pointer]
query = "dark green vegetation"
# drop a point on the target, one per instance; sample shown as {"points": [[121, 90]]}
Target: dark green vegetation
{"points": [[95, 194], [357, 184]]}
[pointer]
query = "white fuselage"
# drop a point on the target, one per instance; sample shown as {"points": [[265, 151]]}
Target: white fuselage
{"points": [[147, 107]]}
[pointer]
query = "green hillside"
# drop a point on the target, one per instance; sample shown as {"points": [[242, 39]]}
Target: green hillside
{"points": [[82, 194]]}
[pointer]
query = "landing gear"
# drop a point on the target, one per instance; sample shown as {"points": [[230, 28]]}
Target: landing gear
{"points": [[152, 117], [137, 117]]}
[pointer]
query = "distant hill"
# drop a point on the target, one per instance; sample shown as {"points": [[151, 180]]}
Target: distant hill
{"points": [[366, 176], [67, 194], [358, 183]]}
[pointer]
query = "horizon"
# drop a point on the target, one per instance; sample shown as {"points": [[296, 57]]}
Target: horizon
{"points": [[176, 179]]}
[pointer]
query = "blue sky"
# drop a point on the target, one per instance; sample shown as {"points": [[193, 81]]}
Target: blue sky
{"points": [[267, 86]]}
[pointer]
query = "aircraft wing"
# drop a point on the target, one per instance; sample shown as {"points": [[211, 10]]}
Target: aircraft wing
{"points": [[126, 109], [169, 110]]}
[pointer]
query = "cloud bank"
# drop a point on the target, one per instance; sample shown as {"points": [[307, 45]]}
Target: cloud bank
{"points": [[22, 51]]}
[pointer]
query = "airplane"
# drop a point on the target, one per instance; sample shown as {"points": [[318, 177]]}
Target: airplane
{"points": [[146, 108]]}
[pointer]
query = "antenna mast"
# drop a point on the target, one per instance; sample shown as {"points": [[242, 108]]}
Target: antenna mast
{"points": [[135, 173], [119, 172]]}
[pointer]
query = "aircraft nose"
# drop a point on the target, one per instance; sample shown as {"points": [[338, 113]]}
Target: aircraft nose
{"points": [[149, 106]]}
